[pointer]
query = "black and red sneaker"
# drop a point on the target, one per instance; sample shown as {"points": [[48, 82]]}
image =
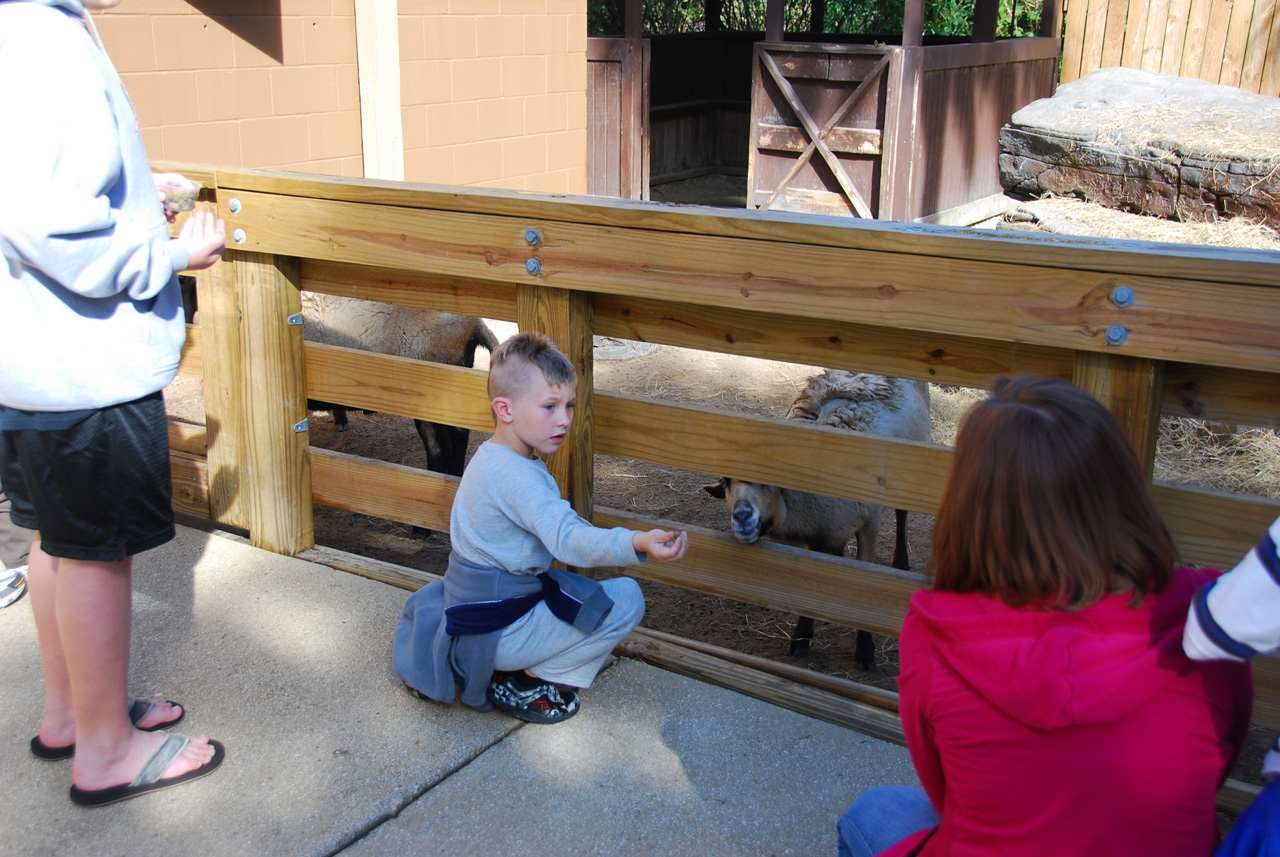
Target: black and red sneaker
{"points": [[541, 703]]}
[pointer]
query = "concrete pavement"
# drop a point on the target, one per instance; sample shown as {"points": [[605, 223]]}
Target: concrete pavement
{"points": [[289, 664]]}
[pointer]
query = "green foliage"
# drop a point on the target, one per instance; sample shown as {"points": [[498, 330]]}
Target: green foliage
{"points": [[858, 17]]}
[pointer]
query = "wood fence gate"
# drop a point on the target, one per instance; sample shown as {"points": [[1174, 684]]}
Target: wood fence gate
{"points": [[618, 117]]}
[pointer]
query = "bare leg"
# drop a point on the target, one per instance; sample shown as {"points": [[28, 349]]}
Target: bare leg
{"points": [[84, 644], [58, 728]]}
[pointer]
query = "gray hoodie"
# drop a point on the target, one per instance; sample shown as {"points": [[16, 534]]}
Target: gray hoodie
{"points": [[90, 309]]}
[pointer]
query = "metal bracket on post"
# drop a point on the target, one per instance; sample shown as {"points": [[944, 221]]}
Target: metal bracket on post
{"points": [[296, 319], [300, 427]]}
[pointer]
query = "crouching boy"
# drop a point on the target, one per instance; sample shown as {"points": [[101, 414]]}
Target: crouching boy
{"points": [[512, 631]]}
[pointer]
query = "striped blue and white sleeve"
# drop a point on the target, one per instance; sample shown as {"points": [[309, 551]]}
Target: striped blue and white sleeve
{"points": [[1237, 616]]}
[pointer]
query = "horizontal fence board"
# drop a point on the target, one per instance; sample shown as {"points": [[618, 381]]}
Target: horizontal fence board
{"points": [[385, 572], [780, 577], [1202, 392], [938, 358], [406, 288], [1225, 395], [189, 475], [1147, 258], [1214, 528], [902, 474], [453, 395], [852, 141], [871, 695], [1210, 322], [187, 438], [775, 689], [192, 361], [382, 489]]}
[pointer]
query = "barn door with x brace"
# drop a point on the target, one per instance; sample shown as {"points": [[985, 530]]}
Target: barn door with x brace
{"points": [[817, 128]]}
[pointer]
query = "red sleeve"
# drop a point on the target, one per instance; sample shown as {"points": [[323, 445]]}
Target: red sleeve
{"points": [[915, 692]]}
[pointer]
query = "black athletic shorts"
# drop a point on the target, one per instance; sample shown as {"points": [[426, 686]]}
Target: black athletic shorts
{"points": [[100, 490]]}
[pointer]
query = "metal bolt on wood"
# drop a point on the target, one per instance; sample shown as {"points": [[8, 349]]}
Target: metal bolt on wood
{"points": [[234, 205], [531, 236], [533, 266], [1122, 296], [1116, 335], [239, 236]]}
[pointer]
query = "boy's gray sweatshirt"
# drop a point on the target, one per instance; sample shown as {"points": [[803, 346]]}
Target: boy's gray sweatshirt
{"points": [[508, 514], [90, 309]]}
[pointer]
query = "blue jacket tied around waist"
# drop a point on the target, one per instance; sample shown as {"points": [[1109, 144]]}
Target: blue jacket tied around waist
{"points": [[449, 632]]}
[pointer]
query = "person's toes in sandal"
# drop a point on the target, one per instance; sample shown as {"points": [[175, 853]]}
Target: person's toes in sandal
{"points": [[150, 778]]}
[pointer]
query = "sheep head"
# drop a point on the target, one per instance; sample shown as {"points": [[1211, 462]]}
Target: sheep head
{"points": [[754, 508]]}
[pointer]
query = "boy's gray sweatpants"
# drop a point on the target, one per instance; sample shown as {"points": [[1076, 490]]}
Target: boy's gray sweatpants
{"points": [[555, 651]]}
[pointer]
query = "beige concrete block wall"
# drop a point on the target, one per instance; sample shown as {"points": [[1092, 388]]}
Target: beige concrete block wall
{"points": [[257, 83], [494, 93]]}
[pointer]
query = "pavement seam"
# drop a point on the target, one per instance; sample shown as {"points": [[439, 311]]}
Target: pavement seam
{"points": [[373, 825]]}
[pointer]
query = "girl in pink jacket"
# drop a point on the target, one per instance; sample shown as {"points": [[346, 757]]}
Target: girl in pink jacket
{"points": [[1047, 703]]}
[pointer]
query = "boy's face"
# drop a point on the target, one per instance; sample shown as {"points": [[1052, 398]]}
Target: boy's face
{"points": [[538, 418]]}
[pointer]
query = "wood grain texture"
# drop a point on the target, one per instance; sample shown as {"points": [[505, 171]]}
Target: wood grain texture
{"points": [[384, 490], [529, 209], [772, 688], [1213, 528], [225, 376], [902, 474], [191, 364], [1208, 321], [835, 589], [453, 395], [1131, 389], [406, 288], [277, 482]]}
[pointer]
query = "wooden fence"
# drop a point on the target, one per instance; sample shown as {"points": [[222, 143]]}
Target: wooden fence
{"points": [[1232, 42], [949, 306]]}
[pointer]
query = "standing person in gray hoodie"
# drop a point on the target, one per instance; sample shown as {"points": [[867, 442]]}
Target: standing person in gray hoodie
{"points": [[92, 327]]}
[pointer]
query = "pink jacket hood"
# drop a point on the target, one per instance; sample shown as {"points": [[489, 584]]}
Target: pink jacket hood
{"points": [[1051, 669]]}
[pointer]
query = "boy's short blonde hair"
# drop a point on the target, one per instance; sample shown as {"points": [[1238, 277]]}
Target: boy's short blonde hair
{"points": [[512, 364]]}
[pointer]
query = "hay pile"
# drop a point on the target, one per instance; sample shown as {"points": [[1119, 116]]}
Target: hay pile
{"points": [[1071, 216]]}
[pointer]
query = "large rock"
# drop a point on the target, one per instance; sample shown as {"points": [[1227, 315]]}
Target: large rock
{"points": [[1152, 143]]}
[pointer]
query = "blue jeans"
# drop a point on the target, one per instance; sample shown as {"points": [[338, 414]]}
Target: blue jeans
{"points": [[881, 817], [1257, 832]]}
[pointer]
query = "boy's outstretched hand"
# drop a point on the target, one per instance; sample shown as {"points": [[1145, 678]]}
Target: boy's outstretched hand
{"points": [[662, 545]]}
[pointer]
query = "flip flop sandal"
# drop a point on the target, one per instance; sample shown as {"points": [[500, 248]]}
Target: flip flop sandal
{"points": [[138, 710], [149, 778]]}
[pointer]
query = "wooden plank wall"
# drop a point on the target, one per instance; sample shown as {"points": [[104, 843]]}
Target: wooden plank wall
{"points": [[618, 117], [945, 305], [969, 92], [1231, 42]]}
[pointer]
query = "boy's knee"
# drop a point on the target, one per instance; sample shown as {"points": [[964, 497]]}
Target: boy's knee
{"points": [[628, 601]]}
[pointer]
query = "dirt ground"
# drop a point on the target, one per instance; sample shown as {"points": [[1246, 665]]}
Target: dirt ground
{"points": [[724, 381]]}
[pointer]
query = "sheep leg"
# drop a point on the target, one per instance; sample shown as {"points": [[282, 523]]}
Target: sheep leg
{"points": [[900, 558], [446, 448], [865, 651], [801, 636]]}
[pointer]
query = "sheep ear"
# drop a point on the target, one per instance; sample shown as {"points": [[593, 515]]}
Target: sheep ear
{"points": [[716, 489]]}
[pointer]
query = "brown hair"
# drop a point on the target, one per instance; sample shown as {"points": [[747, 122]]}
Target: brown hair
{"points": [[515, 359], [1046, 503]]}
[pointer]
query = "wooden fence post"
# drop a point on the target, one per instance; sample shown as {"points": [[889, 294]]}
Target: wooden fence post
{"points": [[566, 316], [276, 482], [1131, 388], [224, 424]]}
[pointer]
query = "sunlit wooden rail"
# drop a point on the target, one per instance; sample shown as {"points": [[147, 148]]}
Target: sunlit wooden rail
{"points": [[945, 305]]}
